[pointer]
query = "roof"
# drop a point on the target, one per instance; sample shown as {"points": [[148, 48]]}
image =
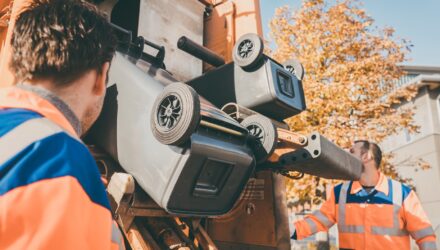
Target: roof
{"points": [[420, 76], [413, 69]]}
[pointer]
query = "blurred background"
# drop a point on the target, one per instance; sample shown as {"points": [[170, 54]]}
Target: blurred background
{"points": [[413, 148]]}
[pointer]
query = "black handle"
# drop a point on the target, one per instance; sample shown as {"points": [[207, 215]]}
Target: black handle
{"points": [[200, 52]]}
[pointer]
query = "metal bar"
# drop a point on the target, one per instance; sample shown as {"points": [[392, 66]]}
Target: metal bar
{"points": [[164, 233], [148, 212], [293, 139], [220, 128], [204, 240], [288, 142], [140, 239]]}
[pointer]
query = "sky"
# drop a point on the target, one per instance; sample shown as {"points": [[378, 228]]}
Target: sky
{"points": [[415, 20]]}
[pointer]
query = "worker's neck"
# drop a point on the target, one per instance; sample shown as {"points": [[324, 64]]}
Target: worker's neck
{"points": [[70, 96], [370, 176]]}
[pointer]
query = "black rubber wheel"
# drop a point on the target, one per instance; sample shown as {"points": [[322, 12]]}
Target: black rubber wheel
{"points": [[176, 114], [248, 51], [265, 131], [294, 67]]}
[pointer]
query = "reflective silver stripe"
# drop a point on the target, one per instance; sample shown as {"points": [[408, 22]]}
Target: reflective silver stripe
{"points": [[388, 231], [341, 213], [323, 219], [351, 229], [341, 202], [422, 233], [312, 225], [428, 245], [25, 134], [397, 193], [117, 236], [395, 230]]}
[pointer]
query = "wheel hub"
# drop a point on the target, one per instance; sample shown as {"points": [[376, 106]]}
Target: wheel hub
{"points": [[245, 48], [256, 131], [290, 68], [169, 112]]}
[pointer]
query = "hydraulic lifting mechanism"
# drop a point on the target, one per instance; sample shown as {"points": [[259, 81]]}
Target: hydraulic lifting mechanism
{"points": [[190, 165]]}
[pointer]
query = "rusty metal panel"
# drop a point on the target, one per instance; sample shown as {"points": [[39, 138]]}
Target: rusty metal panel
{"points": [[219, 32], [227, 22], [247, 18], [258, 221], [163, 22], [281, 212]]}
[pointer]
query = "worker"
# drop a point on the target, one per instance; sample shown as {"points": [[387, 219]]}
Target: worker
{"points": [[51, 194], [373, 213]]}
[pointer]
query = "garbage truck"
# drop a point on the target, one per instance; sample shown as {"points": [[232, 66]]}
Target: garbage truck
{"points": [[192, 139]]}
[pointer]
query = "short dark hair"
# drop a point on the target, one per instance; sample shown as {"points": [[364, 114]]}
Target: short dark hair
{"points": [[373, 148], [60, 40]]}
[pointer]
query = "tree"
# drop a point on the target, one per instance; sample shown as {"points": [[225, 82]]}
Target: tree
{"points": [[351, 68]]}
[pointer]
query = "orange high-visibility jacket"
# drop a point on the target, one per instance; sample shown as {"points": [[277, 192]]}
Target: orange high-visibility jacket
{"points": [[381, 219], [51, 194]]}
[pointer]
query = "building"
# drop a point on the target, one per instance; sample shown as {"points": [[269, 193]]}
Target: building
{"points": [[408, 148]]}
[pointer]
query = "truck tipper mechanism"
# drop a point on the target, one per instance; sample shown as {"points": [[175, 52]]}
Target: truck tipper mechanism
{"points": [[177, 153]]}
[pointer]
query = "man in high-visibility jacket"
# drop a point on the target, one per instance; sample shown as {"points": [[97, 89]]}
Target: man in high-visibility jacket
{"points": [[372, 213], [51, 194]]}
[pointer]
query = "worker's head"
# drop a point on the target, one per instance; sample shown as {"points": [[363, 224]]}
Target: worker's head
{"points": [[65, 46], [368, 152]]}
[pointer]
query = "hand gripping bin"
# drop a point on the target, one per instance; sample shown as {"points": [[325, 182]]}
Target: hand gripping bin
{"points": [[255, 81], [201, 169]]}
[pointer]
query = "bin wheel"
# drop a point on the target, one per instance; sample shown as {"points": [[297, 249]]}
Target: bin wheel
{"points": [[176, 114], [266, 133], [248, 51], [294, 67]]}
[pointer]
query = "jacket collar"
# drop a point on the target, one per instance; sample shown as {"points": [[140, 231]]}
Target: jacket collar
{"points": [[43, 102], [381, 186]]}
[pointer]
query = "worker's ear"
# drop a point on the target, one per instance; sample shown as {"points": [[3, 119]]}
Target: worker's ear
{"points": [[366, 156], [101, 80]]}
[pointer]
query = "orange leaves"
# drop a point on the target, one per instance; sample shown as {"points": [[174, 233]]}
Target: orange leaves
{"points": [[5, 15], [350, 84]]}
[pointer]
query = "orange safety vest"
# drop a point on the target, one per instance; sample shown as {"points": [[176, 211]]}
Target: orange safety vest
{"points": [[51, 194], [381, 219]]}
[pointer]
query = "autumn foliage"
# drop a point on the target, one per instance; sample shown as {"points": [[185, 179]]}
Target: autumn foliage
{"points": [[351, 68]]}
